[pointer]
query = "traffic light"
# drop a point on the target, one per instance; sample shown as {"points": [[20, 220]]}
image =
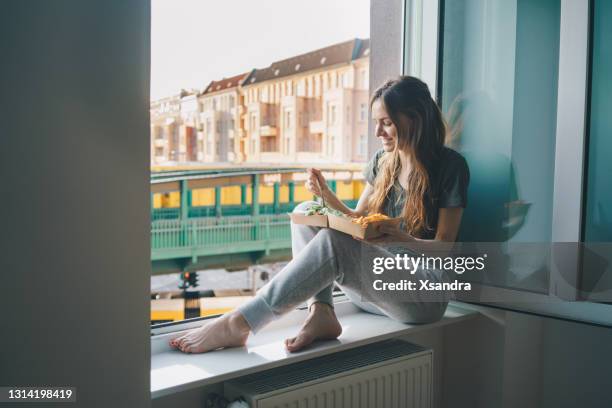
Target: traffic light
{"points": [[188, 280]]}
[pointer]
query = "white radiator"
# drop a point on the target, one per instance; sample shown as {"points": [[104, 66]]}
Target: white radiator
{"points": [[392, 373]]}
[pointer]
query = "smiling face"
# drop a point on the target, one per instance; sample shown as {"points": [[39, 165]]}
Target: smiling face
{"points": [[384, 127]]}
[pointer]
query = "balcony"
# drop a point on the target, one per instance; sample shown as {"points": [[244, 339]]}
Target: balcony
{"points": [[311, 143], [316, 126], [268, 131]]}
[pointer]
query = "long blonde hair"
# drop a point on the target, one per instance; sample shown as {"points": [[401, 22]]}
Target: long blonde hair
{"points": [[422, 139]]}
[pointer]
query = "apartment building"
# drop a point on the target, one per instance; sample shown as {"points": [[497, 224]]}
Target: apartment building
{"points": [[311, 108], [174, 125], [165, 119], [189, 126], [220, 109]]}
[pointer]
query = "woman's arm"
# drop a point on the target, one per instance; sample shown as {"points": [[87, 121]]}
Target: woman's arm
{"points": [[331, 200], [449, 220]]}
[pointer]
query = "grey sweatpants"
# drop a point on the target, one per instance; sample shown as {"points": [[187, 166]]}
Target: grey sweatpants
{"points": [[322, 256]]}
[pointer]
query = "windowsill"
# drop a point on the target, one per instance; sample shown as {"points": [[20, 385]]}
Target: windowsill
{"points": [[173, 371]]}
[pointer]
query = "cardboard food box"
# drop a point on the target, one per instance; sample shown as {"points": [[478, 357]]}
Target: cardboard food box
{"points": [[346, 225], [313, 220]]}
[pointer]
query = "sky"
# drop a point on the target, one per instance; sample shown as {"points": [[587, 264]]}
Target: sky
{"points": [[196, 41]]}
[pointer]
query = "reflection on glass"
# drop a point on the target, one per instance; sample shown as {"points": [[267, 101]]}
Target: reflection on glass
{"points": [[598, 226], [597, 257], [499, 93]]}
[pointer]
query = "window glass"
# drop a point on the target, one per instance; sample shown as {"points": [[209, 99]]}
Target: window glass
{"points": [[598, 226], [235, 132], [596, 278], [498, 93]]}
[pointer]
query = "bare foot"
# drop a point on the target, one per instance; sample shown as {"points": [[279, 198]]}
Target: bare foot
{"points": [[230, 330], [321, 324]]}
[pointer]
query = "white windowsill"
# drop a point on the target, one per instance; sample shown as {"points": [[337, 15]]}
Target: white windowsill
{"points": [[173, 371]]}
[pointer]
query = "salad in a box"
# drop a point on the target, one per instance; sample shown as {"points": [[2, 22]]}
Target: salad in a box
{"points": [[362, 227], [316, 215]]}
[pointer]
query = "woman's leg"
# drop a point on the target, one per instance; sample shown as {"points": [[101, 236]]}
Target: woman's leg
{"points": [[301, 235], [416, 311], [313, 269], [334, 256], [330, 256], [232, 329]]}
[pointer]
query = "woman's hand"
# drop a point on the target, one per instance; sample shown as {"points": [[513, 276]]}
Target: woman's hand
{"points": [[316, 179]]}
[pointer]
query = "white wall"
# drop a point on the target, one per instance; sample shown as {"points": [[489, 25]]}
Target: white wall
{"points": [[386, 24], [74, 157], [510, 359]]}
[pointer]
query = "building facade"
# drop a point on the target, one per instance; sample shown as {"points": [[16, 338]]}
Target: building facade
{"points": [[174, 124], [165, 119], [311, 108], [220, 110]]}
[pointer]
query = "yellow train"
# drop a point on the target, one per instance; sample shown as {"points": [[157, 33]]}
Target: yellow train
{"points": [[170, 310], [231, 195]]}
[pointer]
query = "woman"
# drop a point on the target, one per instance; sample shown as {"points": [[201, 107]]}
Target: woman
{"points": [[414, 177]]}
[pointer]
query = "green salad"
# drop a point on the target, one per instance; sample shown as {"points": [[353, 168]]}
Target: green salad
{"points": [[320, 209]]}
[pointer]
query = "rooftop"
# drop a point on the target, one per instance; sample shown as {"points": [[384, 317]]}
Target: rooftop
{"points": [[344, 52], [223, 84]]}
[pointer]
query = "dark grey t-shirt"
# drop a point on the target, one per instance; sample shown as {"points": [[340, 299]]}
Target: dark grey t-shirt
{"points": [[449, 182]]}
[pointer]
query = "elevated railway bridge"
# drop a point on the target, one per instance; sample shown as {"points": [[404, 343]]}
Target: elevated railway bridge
{"points": [[232, 217]]}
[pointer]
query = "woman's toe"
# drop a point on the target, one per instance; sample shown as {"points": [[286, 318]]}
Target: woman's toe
{"points": [[289, 342], [299, 343]]}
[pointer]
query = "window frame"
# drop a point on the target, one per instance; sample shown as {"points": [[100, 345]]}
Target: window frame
{"points": [[423, 24]]}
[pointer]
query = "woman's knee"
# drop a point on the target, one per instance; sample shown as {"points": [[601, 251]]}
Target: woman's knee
{"points": [[334, 237]]}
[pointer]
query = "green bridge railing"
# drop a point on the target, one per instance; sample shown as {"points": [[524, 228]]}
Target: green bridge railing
{"points": [[203, 239], [193, 237]]}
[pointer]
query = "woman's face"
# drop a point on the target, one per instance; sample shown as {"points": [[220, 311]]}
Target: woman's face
{"points": [[384, 128]]}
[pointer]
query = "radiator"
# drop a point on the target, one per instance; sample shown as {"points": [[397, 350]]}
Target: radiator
{"points": [[392, 373]]}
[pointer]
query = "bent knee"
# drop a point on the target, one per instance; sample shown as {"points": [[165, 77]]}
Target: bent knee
{"points": [[333, 235], [304, 206]]}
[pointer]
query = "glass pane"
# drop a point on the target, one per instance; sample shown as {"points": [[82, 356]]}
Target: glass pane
{"points": [[597, 257], [499, 95], [237, 114], [598, 226]]}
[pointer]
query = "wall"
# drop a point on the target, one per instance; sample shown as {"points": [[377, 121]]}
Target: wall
{"points": [[386, 26], [510, 359], [74, 160]]}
